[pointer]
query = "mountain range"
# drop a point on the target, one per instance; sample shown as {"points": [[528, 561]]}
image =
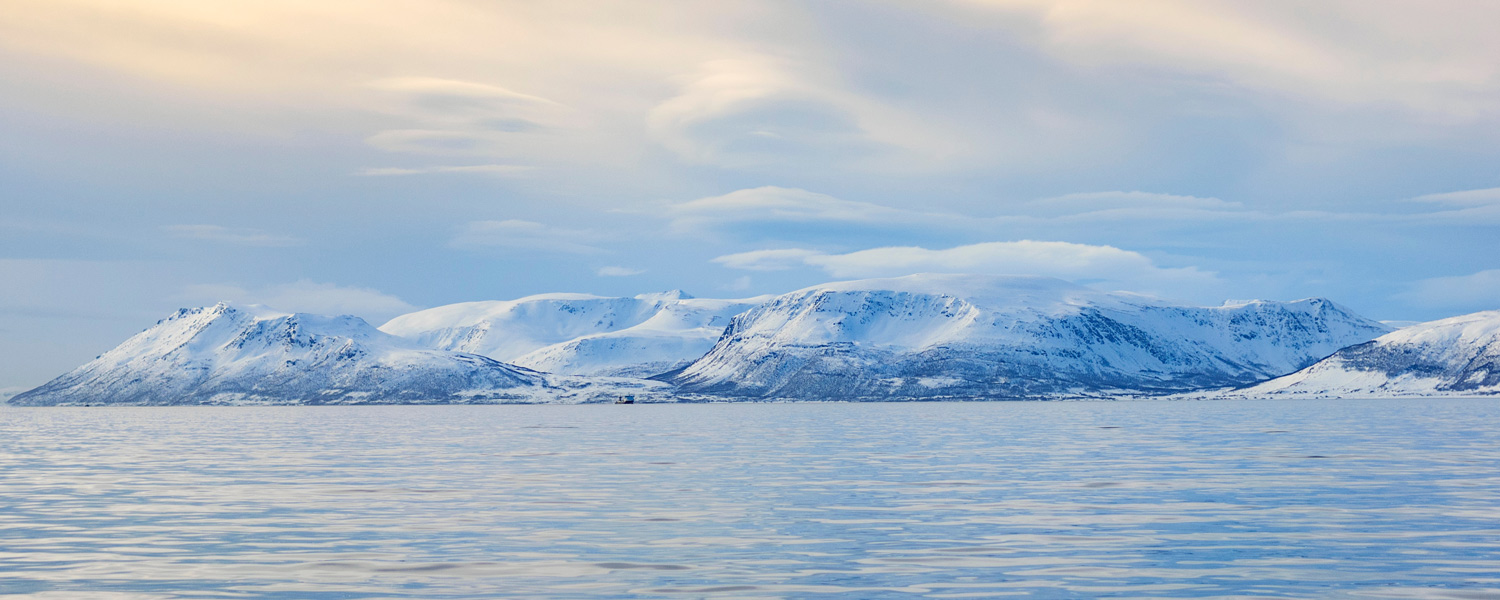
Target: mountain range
{"points": [[920, 337], [227, 354]]}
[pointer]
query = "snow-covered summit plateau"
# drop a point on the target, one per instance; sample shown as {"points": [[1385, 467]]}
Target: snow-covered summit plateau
{"points": [[1458, 356], [578, 334], [997, 337], [227, 354]]}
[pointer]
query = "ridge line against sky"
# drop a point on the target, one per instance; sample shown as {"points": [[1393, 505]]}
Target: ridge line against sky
{"points": [[345, 156]]}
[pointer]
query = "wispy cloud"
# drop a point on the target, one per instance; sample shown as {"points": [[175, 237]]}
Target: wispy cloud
{"points": [[529, 235], [771, 204], [751, 111], [618, 271], [1132, 205], [1427, 67], [450, 117], [450, 93], [500, 170], [770, 260], [471, 105], [229, 235], [779, 204], [1482, 197], [1105, 265], [496, 68], [1467, 207]]}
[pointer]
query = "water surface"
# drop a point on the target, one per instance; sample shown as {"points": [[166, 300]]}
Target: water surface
{"points": [[1247, 499]]}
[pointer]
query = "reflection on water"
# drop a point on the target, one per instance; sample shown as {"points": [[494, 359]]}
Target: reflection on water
{"points": [[1349, 499]]}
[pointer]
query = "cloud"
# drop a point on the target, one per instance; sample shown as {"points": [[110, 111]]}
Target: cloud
{"points": [[469, 107], [756, 110], [618, 271], [444, 142], [1104, 265], [1134, 204], [227, 235], [468, 100], [1468, 207], [305, 296], [1394, 53], [468, 118], [749, 111], [772, 204], [779, 204], [514, 233], [501, 170], [1478, 291], [769, 260], [1484, 197], [751, 83]]}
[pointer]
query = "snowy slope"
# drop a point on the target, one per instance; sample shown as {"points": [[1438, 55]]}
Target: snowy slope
{"points": [[249, 354], [578, 333], [932, 336], [1459, 356]]}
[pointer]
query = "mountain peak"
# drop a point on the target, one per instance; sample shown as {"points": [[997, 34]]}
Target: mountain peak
{"points": [[662, 296]]}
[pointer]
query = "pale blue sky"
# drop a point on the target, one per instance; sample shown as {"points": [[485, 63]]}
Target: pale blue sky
{"points": [[375, 158]]}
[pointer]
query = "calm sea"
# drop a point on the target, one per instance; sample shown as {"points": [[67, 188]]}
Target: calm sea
{"points": [[1244, 499]]}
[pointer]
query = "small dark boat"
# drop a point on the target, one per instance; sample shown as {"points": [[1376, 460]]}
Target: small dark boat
{"points": [[625, 400]]}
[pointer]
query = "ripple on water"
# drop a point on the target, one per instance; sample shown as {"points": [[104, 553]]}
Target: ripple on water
{"points": [[1348, 499]]}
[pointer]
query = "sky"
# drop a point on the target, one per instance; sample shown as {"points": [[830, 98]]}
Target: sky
{"points": [[374, 157]]}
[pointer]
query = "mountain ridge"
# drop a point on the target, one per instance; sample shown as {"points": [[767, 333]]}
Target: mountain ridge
{"points": [[229, 354], [941, 336], [1457, 356], [578, 334]]}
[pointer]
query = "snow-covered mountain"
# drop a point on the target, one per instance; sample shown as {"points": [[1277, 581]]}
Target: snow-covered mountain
{"points": [[965, 336], [578, 334], [915, 337], [252, 355], [1459, 356]]}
